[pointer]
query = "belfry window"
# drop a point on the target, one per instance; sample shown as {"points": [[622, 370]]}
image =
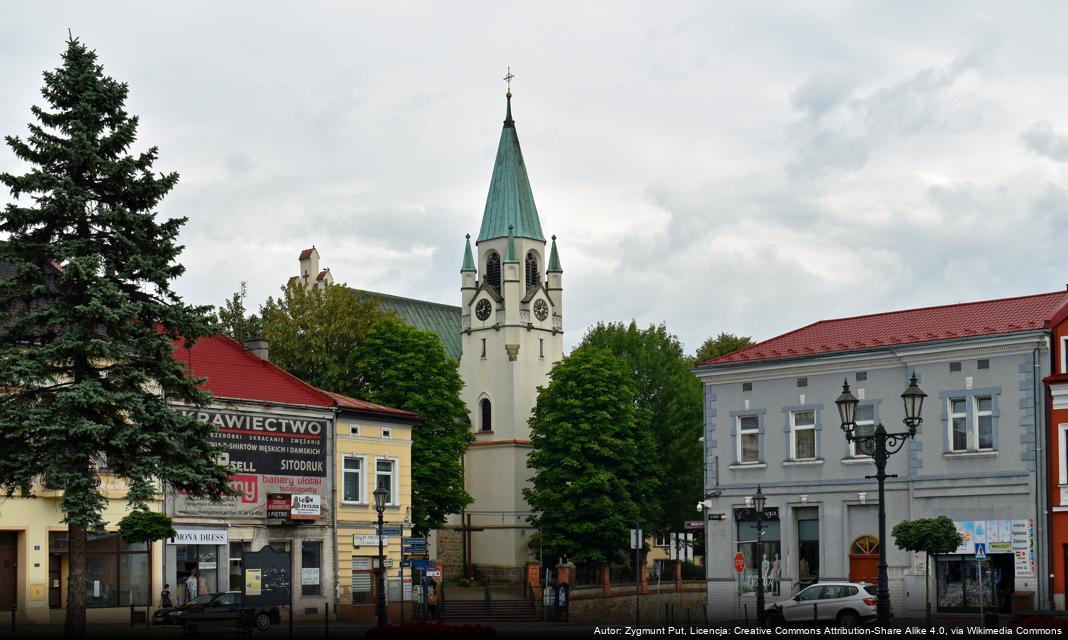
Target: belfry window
{"points": [[487, 415], [493, 270], [533, 275]]}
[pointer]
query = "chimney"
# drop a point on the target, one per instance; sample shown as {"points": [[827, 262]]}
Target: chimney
{"points": [[258, 348]]}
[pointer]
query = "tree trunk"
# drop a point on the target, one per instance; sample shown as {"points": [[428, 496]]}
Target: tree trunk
{"points": [[74, 626], [927, 586]]}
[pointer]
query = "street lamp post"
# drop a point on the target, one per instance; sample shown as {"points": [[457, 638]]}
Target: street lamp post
{"points": [[380, 495], [759, 500], [880, 445]]}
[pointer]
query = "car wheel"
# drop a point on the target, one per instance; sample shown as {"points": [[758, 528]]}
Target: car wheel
{"points": [[263, 621], [848, 619]]}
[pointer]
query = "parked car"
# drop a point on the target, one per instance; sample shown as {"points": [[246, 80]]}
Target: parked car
{"points": [[847, 604], [169, 615], [227, 609]]}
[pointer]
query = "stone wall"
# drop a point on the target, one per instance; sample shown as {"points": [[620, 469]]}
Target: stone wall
{"points": [[589, 606], [450, 551]]}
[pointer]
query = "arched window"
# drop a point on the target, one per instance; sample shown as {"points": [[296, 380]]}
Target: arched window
{"points": [[487, 415], [865, 546], [493, 270], [533, 275]]}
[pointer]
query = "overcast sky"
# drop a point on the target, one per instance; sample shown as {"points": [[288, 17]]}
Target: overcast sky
{"points": [[718, 166]]}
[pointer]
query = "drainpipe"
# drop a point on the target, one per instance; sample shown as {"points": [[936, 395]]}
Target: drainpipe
{"points": [[332, 464], [1042, 534]]}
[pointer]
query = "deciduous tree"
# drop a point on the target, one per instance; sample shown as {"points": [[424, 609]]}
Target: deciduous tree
{"points": [[88, 319], [721, 345], [932, 536]]}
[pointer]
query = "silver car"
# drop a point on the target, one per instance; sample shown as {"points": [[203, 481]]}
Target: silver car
{"points": [[847, 604]]}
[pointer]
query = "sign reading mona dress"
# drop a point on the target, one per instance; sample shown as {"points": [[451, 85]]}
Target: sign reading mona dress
{"points": [[269, 454]]}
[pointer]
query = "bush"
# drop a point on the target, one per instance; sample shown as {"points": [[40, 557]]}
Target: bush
{"points": [[428, 629]]}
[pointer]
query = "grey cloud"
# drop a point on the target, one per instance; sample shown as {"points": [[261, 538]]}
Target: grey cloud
{"points": [[1041, 139]]}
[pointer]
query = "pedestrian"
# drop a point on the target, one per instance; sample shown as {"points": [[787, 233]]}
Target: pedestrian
{"points": [[432, 598], [165, 597], [192, 586]]}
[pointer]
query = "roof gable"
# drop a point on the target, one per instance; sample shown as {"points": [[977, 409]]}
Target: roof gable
{"points": [[911, 326]]}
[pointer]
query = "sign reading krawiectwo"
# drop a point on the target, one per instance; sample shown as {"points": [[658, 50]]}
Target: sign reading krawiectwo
{"points": [[268, 444]]}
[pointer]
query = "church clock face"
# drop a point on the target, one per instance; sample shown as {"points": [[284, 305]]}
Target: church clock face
{"points": [[541, 310], [483, 309]]}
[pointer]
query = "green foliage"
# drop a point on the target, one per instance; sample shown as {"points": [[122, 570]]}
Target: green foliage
{"points": [[233, 319], [930, 535], [86, 348], [586, 489], [668, 418], [146, 526], [721, 345], [316, 333], [401, 366]]}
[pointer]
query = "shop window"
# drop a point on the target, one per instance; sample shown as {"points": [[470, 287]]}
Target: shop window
{"points": [[197, 570], [770, 568], [386, 477], [118, 574], [957, 582], [311, 557], [803, 430], [808, 550], [352, 482], [362, 573]]}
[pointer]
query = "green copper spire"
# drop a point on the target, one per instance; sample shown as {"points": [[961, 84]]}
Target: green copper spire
{"points": [[554, 260], [469, 261], [509, 253], [510, 201]]}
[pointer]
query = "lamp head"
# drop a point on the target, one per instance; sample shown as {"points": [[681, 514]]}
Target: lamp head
{"points": [[380, 495], [847, 408]]}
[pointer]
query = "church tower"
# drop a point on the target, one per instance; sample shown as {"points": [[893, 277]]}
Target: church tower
{"points": [[512, 335]]}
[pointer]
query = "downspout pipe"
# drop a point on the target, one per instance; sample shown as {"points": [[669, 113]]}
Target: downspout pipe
{"points": [[1041, 500], [332, 457]]}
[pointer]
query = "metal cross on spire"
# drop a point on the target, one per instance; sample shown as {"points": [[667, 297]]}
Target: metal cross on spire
{"points": [[508, 78]]}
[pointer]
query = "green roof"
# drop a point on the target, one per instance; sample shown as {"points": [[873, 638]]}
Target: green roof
{"points": [[554, 260], [509, 252], [469, 261], [510, 201], [442, 319]]}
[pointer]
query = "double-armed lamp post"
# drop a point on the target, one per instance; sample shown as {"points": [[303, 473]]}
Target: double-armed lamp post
{"points": [[876, 442], [380, 495]]}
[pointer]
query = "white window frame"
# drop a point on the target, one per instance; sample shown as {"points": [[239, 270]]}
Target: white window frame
{"points": [[949, 425], [661, 540], [853, 443], [1064, 354], [989, 413], [794, 429], [387, 433], [743, 432], [354, 429], [394, 484], [361, 484]]}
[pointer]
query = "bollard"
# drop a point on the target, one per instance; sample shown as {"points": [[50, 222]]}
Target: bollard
{"points": [[327, 618], [148, 614], [290, 621], [815, 613], [131, 614], [746, 608], [13, 609]]}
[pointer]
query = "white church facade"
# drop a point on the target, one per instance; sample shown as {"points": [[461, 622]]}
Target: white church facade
{"points": [[507, 334]]}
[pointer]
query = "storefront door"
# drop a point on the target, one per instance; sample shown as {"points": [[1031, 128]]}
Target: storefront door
{"points": [[8, 569], [55, 581], [864, 560]]}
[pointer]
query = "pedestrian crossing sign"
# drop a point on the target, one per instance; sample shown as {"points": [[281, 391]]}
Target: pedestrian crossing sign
{"points": [[980, 551]]}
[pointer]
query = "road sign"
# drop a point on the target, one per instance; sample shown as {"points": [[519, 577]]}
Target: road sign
{"points": [[717, 516], [739, 563], [419, 565], [980, 551], [636, 539], [391, 531], [695, 524]]}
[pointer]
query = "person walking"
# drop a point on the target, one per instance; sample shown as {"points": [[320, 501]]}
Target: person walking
{"points": [[165, 597], [432, 599]]}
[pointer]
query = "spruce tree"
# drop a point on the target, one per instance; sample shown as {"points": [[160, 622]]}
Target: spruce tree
{"points": [[88, 320]]}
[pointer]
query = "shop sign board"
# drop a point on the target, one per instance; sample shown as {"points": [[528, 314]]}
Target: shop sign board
{"points": [[365, 540], [305, 506], [748, 514], [278, 505], [198, 536], [251, 500], [1001, 536]]}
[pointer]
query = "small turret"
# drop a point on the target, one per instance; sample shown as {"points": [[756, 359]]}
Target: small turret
{"points": [[554, 283], [468, 276]]}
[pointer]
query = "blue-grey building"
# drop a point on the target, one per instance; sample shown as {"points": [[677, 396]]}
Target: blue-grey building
{"points": [[770, 420]]}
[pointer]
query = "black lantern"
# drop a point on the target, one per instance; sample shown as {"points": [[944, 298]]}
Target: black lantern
{"points": [[913, 398], [759, 500], [380, 495], [847, 407]]}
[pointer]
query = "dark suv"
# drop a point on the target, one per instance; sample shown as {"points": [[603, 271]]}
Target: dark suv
{"points": [[224, 610]]}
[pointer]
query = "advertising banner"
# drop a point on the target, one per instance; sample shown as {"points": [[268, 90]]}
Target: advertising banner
{"points": [[271, 455]]}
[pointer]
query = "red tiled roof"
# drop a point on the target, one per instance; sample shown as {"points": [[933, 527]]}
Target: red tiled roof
{"points": [[304, 255], [345, 402], [232, 372], [322, 274], [912, 326]]}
